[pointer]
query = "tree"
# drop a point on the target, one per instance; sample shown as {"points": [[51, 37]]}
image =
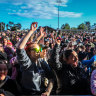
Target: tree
{"points": [[13, 28], [11, 24], [62, 27], [18, 26], [74, 28], [82, 26], [67, 26], [2, 26], [88, 25]]}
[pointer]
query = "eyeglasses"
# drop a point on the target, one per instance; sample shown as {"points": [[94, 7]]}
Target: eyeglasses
{"points": [[37, 50]]}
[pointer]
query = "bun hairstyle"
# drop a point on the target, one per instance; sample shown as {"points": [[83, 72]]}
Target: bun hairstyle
{"points": [[66, 54]]}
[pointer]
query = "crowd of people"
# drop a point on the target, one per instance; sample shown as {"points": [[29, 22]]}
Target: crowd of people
{"points": [[44, 64]]}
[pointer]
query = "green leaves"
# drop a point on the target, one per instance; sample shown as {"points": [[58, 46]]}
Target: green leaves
{"points": [[83, 27]]}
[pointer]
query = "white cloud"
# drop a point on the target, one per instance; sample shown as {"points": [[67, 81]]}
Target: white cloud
{"points": [[18, 3], [41, 9], [70, 14]]}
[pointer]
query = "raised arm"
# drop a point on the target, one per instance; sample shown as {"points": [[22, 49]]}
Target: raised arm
{"points": [[54, 60], [89, 62], [40, 36], [22, 56], [24, 40]]}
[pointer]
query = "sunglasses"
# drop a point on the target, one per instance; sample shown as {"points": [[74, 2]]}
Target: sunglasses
{"points": [[37, 50]]}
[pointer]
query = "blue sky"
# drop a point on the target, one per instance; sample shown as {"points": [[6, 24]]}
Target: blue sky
{"points": [[45, 12]]}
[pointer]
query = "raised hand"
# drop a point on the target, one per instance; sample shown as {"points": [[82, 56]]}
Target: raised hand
{"points": [[42, 31], [34, 26], [58, 42]]}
